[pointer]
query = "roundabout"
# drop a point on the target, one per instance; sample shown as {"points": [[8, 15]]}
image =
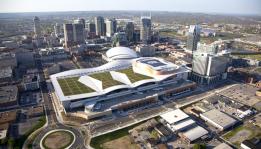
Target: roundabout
{"points": [[57, 139]]}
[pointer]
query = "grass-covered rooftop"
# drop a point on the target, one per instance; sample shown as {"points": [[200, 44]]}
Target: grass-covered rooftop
{"points": [[106, 78], [134, 77], [71, 86]]}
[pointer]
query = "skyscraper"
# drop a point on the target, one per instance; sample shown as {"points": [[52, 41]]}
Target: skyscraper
{"points": [[130, 31], [99, 25], [78, 33], [73, 34], [111, 27], [145, 30], [193, 37], [57, 30], [80, 21], [37, 27], [114, 24], [68, 34], [91, 27]]}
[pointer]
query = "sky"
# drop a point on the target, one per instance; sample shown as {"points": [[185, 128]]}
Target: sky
{"points": [[204, 6]]}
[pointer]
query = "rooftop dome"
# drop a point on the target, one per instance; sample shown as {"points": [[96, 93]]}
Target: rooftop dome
{"points": [[121, 53]]}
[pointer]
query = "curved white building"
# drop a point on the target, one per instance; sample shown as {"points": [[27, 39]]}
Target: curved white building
{"points": [[120, 53], [124, 75]]}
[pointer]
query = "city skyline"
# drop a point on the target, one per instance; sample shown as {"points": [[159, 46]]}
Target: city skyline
{"points": [[242, 7]]}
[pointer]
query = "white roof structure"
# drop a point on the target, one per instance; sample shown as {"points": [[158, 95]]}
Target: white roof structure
{"points": [[118, 53], [174, 116], [218, 119], [195, 133], [183, 124], [119, 73]]}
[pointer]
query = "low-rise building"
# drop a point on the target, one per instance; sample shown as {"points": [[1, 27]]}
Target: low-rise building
{"points": [[52, 54], [35, 111], [251, 144], [6, 74], [145, 50], [31, 82], [7, 117], [7, 59], [3, 130], [218, 119], [179, 122], [8, 96]]}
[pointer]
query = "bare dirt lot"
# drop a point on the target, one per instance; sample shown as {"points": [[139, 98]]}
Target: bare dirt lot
{"points": [[123, 142]]}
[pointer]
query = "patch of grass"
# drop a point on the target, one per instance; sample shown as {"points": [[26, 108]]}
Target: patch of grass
{"points": [[63, 133], [253, 133], [71, 86], [249, 56], [233, 132], [134, 77], [98, 141], [106, 78]]}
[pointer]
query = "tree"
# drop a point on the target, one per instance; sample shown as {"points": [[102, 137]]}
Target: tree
{"points": [[199, 146]]}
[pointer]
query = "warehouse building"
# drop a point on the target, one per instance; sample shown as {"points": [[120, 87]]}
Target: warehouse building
{"points": [[218, 119], [179, 122]]}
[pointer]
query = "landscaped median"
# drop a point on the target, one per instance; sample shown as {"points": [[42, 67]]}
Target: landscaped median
{"points": [[58, 139]]}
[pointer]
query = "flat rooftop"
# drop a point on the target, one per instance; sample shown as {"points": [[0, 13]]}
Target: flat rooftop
{"points": [[106, 78], [219, 118], [6, 117], [174, 116], [71, 86], [152, 62], [134, 77], [8, 94], [28, 78], [195, 133]]}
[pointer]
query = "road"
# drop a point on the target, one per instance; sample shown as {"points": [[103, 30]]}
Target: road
{"points": [[53, 122], [102, 127]]}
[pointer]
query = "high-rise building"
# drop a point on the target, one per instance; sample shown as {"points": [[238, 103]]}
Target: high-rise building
{"points": [[119, 39], [109, 28], [80, 21], [37, 27], [145, 30], [114, 24], [68, 34], [208, 65], [130, 31], [57, 30], [73, 34], [78, 33], [91, 27], [99, 25], [136, 36], [193, 37]]}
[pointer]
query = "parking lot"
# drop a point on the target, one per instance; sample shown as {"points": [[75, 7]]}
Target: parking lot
{"points": [[242, 93]]}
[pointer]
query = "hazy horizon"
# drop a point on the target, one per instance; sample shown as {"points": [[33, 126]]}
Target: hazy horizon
{"points": [[236, 7]]}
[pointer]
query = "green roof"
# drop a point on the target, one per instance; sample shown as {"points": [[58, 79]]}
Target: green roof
{"points": [[71, 86], [134, 77], [106, 78]]}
